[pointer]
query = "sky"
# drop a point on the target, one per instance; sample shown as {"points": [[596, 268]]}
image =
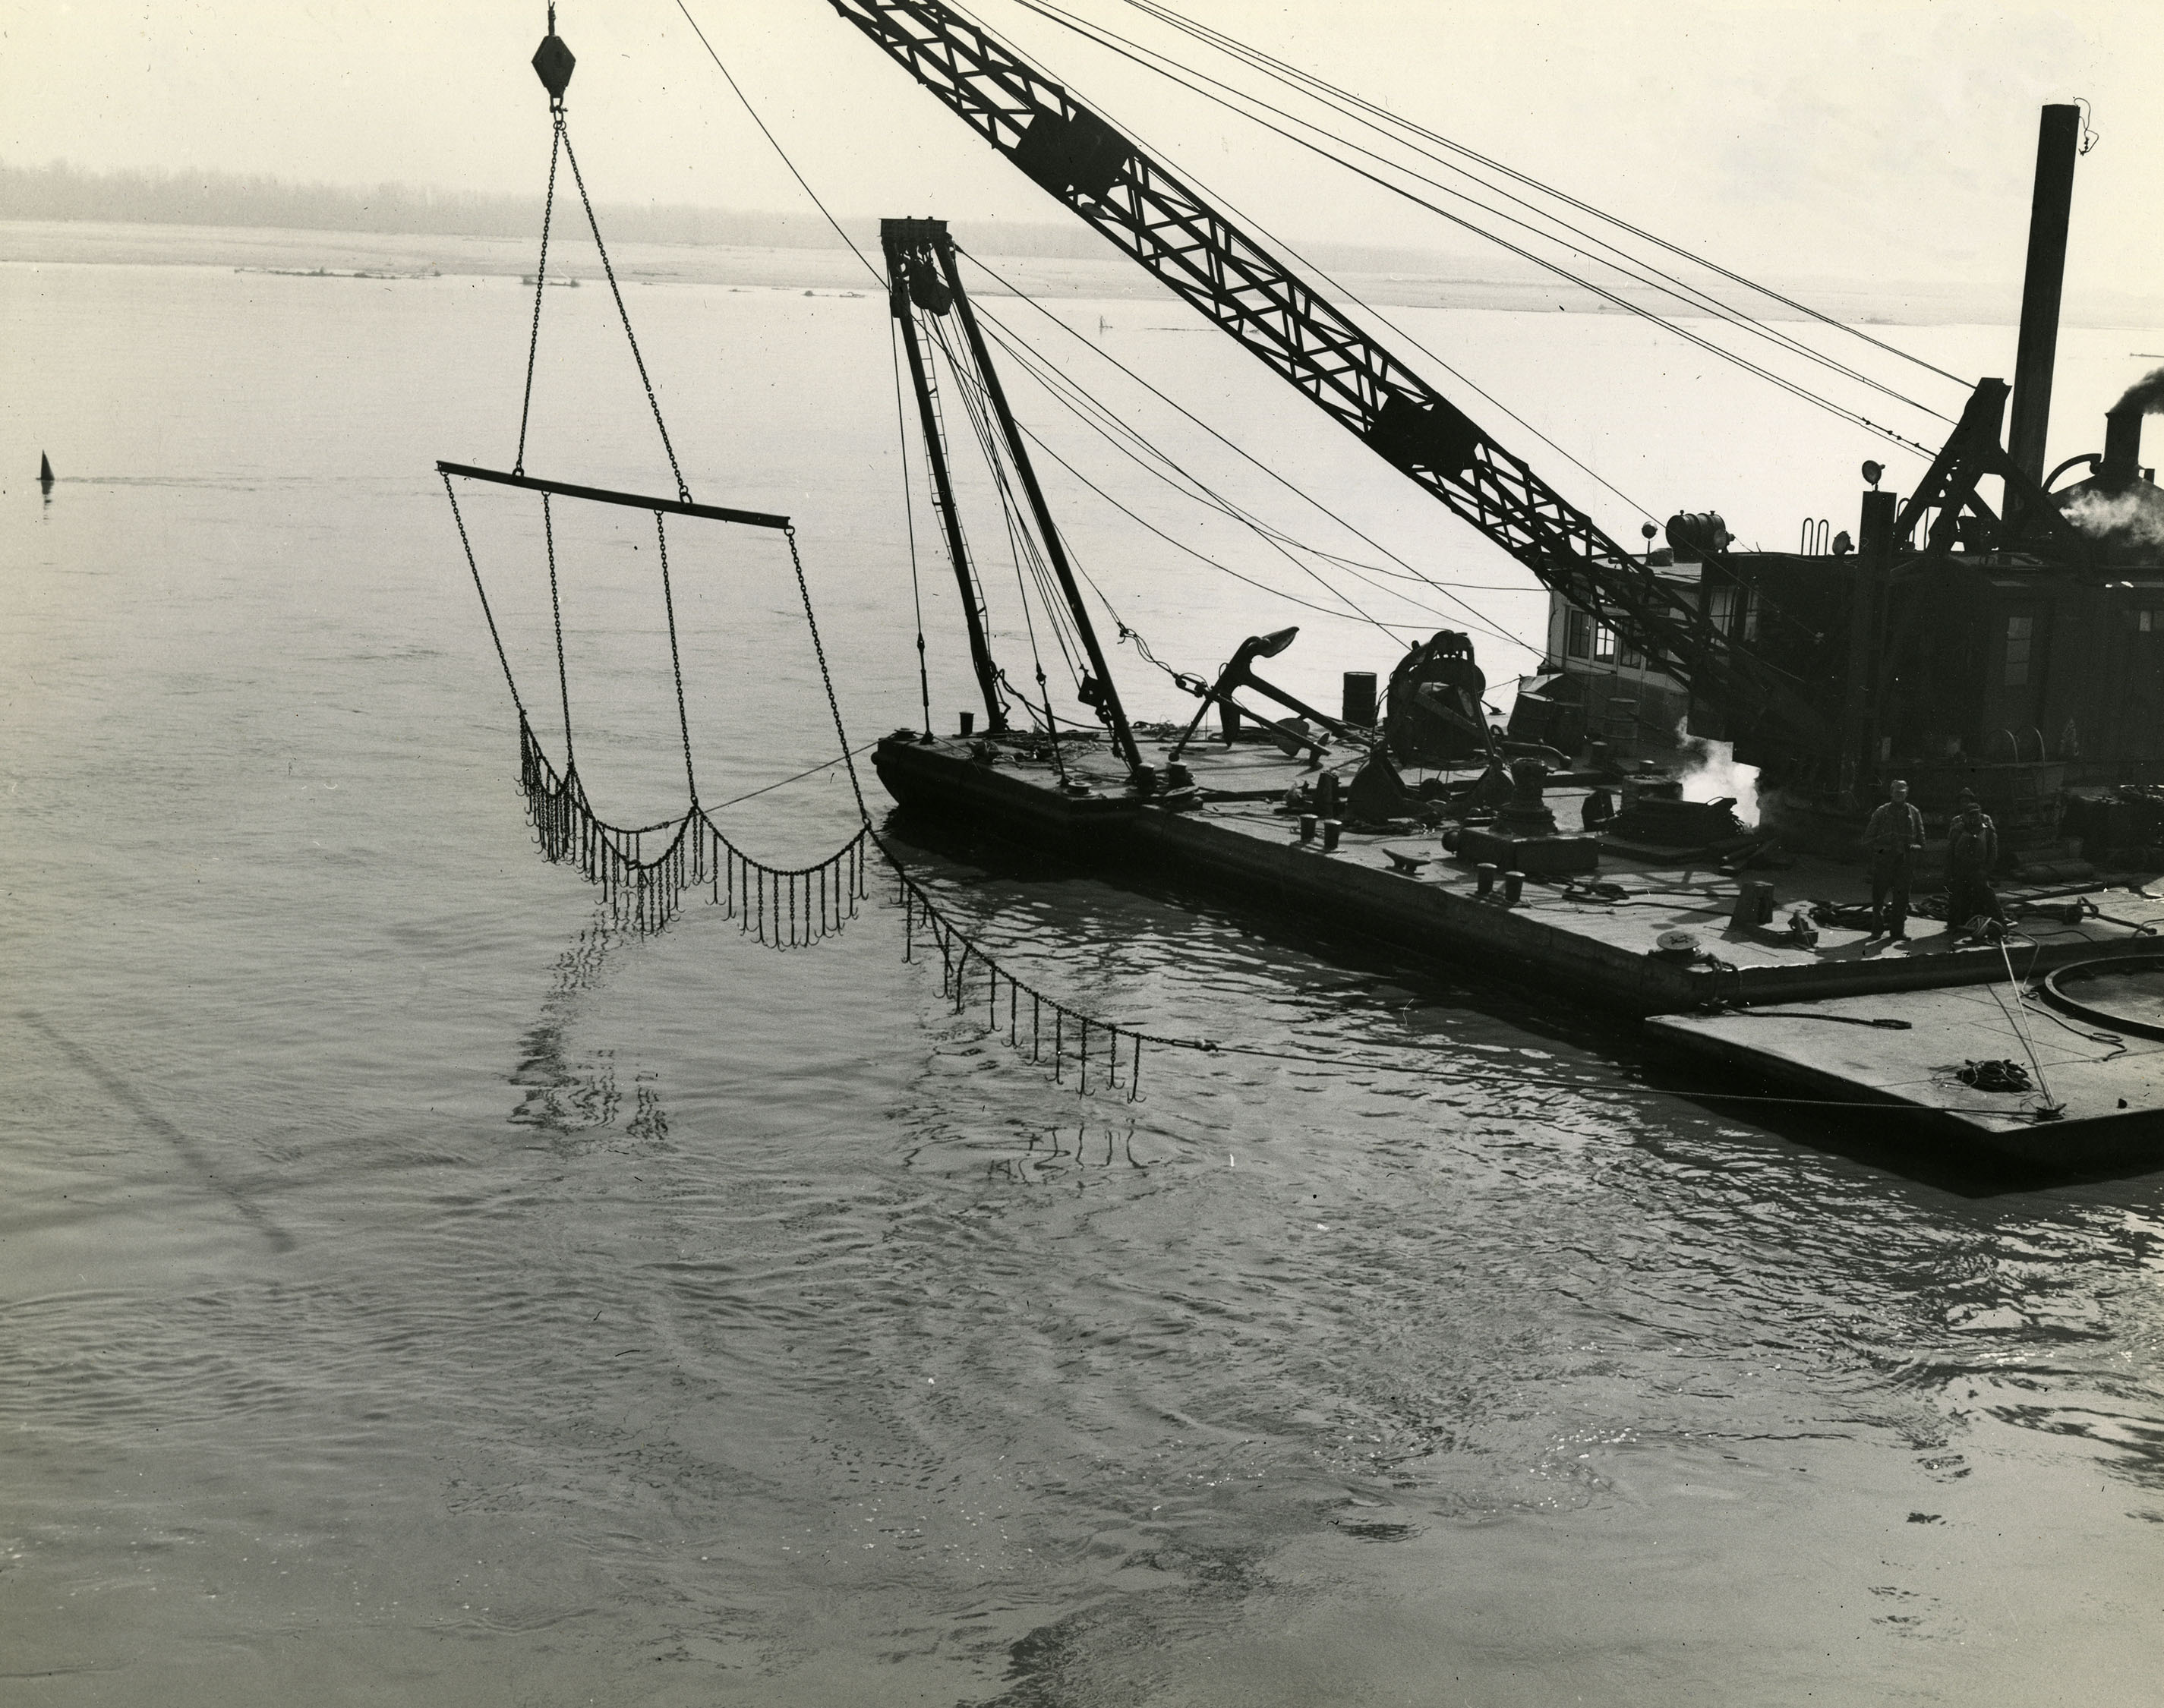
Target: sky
{"points": [[1889, 140]]}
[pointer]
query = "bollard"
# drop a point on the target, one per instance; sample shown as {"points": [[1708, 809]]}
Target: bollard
{"points": [[968, 722], [1484, 878], [1330, 827], [1754, 906], [1514, 885], [1359, 703], [1307, 822]]}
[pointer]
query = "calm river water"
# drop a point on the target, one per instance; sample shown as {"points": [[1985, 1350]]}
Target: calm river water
{"points": [[411, 1291]]}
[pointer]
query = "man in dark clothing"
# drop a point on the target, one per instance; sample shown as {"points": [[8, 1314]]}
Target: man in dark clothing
{"points": [[1972, 852], [1894, 832]]}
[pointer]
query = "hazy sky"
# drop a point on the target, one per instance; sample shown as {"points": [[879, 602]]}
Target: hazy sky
{"points": [[1888, 140]]}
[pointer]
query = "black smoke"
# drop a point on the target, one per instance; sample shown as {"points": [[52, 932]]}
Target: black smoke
{"points": [[2146, 394]]}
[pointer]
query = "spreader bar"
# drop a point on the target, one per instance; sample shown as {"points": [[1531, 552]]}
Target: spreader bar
{"points": [[674, 506]]}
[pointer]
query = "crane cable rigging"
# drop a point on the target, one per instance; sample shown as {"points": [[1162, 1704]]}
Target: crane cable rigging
{"points": [[1356, 107], [1634, 268], [1146, 58], [1034, 366], [1022, 549], [1124, 436], [880, 279], [642, 890]]}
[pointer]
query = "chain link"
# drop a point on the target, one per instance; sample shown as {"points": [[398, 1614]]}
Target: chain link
{"points": [[540, 285], [827, 676], [683, 492]]}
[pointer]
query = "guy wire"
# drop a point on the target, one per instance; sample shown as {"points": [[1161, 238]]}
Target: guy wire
{"points": [[909, 517]]}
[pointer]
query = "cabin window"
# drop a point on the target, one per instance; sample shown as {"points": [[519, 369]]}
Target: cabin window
{"points": [[1630, 658], [1603, 644], [1734, 611], [1578, 634], [2020, 633]]}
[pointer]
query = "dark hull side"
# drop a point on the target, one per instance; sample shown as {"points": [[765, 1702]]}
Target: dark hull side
{"points": [[940, 777]]}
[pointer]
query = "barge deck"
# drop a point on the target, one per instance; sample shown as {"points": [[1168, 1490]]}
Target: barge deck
{"points": [[2109, 1088], [1602, 947]]}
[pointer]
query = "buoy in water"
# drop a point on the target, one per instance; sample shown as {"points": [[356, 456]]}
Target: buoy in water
{"points": [[45, 475]]}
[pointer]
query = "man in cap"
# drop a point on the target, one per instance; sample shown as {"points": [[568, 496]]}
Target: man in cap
{"points": [[1971, 852], [1895, 831]]}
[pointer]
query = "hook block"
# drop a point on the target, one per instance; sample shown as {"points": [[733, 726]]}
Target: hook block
{"points": [[551, 63]]}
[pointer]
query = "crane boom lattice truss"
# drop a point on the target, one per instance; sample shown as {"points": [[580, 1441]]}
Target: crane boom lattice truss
{"points": [[1149, 213]]}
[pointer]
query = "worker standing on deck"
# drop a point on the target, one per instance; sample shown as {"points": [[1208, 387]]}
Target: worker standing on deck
{"points": [[1893, 834], [1972, 852]]}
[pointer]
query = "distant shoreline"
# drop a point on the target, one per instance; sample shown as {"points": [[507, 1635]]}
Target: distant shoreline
{"points": [[32, 243]]}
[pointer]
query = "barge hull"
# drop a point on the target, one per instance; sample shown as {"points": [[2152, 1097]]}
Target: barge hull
{"points": [[1948, 1001]]}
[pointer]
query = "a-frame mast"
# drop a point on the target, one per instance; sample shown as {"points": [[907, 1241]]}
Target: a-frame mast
{"points": [[1106, 700], [900, 238], [906, 243]]}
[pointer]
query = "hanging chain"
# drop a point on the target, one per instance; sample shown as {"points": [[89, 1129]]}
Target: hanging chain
{"points": [[556, 611], [643, 889], [675, 660], [509, 680], [827, 676], [683, 492], [540, 278]]}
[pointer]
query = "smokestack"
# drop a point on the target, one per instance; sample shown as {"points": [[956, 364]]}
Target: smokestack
{"points": [[2122, 430], [2122, 449], [2049, 208]]}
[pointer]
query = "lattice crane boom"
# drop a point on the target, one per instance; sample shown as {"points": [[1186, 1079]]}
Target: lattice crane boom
{"points": [[1150, 213]]}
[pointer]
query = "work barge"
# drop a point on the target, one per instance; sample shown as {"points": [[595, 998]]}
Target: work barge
{"points": [[1946, 623], [1984, 638], [2024, 1023], [1828, 674]]}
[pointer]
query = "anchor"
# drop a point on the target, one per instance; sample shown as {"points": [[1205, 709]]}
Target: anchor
{"points": [[1241, 673]]}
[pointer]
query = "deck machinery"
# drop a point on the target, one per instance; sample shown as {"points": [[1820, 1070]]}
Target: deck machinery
{"points": [[2009, 650], [2004, 649]]}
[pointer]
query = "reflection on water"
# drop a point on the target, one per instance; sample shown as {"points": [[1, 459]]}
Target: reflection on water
{"points": [[668, 1320], [559, 1097]]}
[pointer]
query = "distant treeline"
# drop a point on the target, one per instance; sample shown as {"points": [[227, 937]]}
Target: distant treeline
{"points": [[60, 191]]}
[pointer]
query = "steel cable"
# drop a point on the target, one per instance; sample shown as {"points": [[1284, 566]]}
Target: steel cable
{"points": [[1345, 101]]}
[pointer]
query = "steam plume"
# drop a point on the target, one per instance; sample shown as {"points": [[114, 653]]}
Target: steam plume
{"points": [[2134, 517], [1710, 773]]}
